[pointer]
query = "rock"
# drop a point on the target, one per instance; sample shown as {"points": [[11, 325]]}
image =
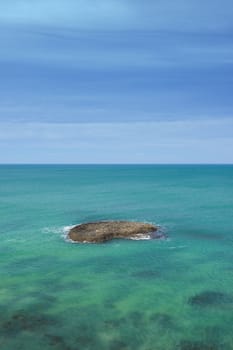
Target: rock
{"points": [[102, 231]]}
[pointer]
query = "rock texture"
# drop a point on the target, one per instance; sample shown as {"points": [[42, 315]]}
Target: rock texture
{"points": [[95, 232]]}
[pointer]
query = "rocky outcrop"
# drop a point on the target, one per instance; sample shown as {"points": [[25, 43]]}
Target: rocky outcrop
{"points": [[102, 231]]}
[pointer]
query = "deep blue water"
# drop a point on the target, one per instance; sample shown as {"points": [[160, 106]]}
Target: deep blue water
{"points": [[174, 294]]}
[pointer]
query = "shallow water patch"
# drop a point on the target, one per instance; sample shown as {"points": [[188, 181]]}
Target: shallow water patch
{"points": [[163, 320], [196, 345], [210, 298], [25, 321], [146, 274], [58, 342]]}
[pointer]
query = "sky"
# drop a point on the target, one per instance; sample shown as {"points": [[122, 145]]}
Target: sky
{"points": [[116, 81]]}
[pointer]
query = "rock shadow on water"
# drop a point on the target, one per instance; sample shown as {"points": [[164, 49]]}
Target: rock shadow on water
{"points": [[196, 345], [210, 298]]}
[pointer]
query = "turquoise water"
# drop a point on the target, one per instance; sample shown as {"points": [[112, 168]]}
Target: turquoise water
{"points": [[174, 294]]}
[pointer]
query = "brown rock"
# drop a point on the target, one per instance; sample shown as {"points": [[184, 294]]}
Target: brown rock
{"points": [[102, 231]]}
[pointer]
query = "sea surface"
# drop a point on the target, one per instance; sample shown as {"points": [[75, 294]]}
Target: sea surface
{"points": [[169, 294]]}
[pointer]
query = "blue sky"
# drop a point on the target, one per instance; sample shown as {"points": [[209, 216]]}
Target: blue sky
{"points": [[116, 81]]}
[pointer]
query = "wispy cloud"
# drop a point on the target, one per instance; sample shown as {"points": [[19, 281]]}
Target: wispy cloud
{"points": [[115, 72], [193, 15], [132, 77], [108, 51], [160, 142]]}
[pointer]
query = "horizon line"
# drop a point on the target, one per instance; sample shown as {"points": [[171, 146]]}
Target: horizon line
{"points": [[116, 164]]}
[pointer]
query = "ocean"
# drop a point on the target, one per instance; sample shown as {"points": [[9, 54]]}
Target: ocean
{"points": [[168, 294]]}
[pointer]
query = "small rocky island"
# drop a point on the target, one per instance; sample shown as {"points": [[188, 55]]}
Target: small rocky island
{"points": [[96, 232]]}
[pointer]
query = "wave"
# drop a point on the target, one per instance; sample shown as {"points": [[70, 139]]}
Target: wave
{"points": [[61, 230]]}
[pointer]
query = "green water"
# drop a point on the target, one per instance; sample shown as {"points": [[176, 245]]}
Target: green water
{"points": [[174, 294]]}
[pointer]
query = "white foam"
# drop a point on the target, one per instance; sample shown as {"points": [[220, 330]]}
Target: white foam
{"points": [[66, 229], [140, 237], [52, 229], [65, 232], [178, 247], [61, 230]]}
